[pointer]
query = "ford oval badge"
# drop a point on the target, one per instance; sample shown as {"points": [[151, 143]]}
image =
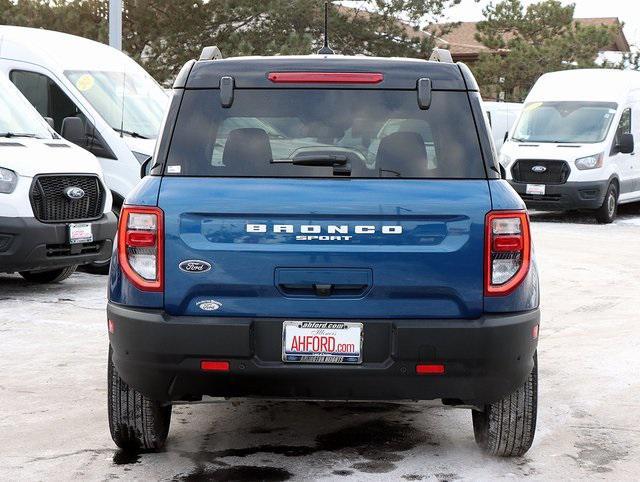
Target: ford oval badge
{"points": [[209, 305], [74, 193], [539, 169], [194, 266]]}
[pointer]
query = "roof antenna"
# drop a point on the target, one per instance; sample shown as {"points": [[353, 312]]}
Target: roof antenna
{"points": [[326, 50]]}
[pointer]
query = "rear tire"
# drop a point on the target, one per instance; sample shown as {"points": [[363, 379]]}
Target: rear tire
{"points": [[506, 428], [48, 276], [606, 213], [136, 422]]}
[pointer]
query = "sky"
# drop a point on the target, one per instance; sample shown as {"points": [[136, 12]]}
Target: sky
{"points": [[628, 11]]}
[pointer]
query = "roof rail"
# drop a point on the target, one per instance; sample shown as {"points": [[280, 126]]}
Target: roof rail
{"points": [[211, 52], [441, 55]]}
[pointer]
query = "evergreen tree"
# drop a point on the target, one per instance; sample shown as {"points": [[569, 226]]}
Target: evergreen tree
{"points": [[526, 43], [163, 34]]}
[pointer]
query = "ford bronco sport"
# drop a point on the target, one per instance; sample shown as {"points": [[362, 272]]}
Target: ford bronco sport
{"points": [[324, 227]]}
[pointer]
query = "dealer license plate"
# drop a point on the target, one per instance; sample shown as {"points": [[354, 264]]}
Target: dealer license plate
{"points": [[536, 189], [321, 342], [80, 233]]}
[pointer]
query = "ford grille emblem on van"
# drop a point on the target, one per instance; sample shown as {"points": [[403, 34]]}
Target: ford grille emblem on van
{"points": [[74, 193], [209, 305], [539, 169], [194, 266], [315, 232]]}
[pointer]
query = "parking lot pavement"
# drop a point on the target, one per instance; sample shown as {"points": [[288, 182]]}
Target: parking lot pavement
{"points": [[53, 422]]}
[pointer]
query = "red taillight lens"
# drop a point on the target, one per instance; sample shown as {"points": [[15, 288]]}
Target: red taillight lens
{"points": [[214, 366], [507, 251], [325, 77], [505, 244], [141, 239], [140, 246], [430, 369]]}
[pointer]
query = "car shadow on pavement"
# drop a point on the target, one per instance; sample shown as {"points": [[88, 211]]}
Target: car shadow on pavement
{"points": [[269, 440]]}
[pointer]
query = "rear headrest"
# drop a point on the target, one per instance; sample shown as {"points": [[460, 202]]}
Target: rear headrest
{"points": [[247, 147], [403, 152]]}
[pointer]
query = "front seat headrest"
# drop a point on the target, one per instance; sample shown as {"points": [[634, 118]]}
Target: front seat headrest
{"points": [[404, 153], [247, 147]]}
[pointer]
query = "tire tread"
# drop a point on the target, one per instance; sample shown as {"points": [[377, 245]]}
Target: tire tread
{"points": [[49, 276], [507, 428], [135, 422]]}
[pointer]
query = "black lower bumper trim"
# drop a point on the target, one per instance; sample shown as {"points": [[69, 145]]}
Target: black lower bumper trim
{"points": [[565, 197], [27, 244], [485, 359]]}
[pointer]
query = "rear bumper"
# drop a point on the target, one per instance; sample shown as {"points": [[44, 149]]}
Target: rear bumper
{"points": [[564, 197], [485, 359], [27, 244]]}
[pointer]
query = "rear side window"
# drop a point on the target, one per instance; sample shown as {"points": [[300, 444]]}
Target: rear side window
{"points": [[380, 133]]}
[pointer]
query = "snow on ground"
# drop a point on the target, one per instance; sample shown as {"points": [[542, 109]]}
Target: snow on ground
{"points": [[53, 422]]}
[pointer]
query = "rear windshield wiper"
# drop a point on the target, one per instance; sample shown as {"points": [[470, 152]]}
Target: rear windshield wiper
{"points": [[319, 160], [340, 163], [130, 133], [17, 134]]}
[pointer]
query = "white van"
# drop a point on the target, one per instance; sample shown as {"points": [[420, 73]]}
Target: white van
{"points": [[120, 105], [573, 144], [501, 116], [55, 211]]}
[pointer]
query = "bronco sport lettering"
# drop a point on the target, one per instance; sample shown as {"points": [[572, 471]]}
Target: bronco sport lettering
{"points": [[331, 232]]}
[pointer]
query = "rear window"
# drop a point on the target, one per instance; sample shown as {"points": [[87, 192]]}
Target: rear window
{"points": [[290, 132]]}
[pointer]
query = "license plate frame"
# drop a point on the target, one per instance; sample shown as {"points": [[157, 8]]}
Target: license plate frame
{"points": [[536, 189], [80, 233], [352, 336]]}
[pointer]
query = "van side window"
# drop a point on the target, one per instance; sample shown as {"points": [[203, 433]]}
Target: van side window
{"points": [[624, 127], [48, 99]]}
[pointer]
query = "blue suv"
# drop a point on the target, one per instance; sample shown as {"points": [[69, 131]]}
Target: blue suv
{"points": [[324, 227]]}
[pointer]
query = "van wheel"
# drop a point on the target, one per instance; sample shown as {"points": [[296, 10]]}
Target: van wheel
{"points": [[136, 422], [102, 267], [506, 428], [48, 276], [97, 267], [606, 213]]}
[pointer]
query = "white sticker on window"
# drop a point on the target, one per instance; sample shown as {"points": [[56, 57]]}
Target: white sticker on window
{"points": [[174, 169]]}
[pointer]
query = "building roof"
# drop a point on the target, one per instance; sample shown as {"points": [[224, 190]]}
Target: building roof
{"points": [[461, 38]]}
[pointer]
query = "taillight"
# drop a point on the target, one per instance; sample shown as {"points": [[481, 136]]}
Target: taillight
{"points": [[140, 246], [507, 251]]}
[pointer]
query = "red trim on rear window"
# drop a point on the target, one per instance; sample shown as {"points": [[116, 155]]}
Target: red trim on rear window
{"points": [[325, 77]]}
